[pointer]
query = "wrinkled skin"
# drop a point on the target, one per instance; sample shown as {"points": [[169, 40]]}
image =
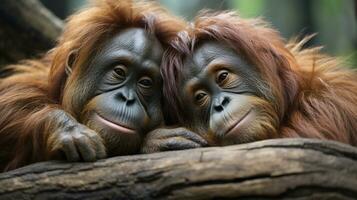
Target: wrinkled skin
{"points": [[226, 100], [122, 105], [167, 139], [121, 100]]}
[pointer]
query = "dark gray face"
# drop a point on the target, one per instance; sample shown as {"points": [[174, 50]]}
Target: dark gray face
{"points": [[126, 79], [221, 93]]}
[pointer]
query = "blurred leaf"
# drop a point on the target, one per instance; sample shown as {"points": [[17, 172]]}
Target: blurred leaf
{"points": [[251, 8]]}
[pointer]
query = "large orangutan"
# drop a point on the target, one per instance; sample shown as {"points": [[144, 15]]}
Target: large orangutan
{"points": [[233, 80], [96, 94]]}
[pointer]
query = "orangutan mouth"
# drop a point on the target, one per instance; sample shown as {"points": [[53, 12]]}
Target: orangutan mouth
{"points": [[115, 126], [236, 127]]}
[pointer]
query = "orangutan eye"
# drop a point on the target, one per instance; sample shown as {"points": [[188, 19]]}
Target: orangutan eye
{"points": [[146, 82], [222, 76], [120, 71], [200, 96]]}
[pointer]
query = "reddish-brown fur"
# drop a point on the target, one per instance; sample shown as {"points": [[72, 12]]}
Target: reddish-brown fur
{"points": [[314, 95], [29, 96]]}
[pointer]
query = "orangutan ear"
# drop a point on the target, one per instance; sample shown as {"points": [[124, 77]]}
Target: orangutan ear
{"points": [[71, 59]]}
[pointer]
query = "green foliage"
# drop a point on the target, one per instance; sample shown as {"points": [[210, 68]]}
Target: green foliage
{"points": [[333, 20], [252, 8]]}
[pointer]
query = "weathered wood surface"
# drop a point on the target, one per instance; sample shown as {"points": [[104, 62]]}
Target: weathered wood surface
{"points": [[271, 169], [27, 29]]}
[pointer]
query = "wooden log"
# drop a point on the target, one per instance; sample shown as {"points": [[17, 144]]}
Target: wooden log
{"points": [[271, 169]]}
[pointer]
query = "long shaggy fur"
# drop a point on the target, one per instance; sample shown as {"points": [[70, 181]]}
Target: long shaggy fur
{"points": [[28, 97], [313, 95]]}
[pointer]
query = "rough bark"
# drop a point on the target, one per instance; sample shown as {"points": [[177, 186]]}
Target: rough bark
{"points": [[27, 30], [271, 169]]}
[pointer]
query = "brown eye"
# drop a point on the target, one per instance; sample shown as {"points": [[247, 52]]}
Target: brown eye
{"points": [[120, 72], [222, 76], [199, 96], [145, 82]]}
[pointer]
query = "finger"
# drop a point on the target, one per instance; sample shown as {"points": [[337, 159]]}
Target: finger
{"points": [[100, 149], [177, 143], [177, 132], [56, 150], [69, 149], [85, 148], [194, 137], [151, 147], [162, 133], [98, 143]]}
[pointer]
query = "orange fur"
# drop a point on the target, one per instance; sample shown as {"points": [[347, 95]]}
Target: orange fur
{"points": [[312, 95], [28, 98], [325, 106]]}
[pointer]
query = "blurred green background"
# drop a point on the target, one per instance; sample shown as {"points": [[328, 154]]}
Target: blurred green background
{"points": [[333, 20]]}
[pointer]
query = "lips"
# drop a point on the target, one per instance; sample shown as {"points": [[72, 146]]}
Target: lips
{"points": [[115, 126], [240, 124]]}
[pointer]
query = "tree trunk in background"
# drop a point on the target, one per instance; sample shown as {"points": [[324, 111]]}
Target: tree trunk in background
{"points": [[59, 8], [27, 30], [271, 169]]}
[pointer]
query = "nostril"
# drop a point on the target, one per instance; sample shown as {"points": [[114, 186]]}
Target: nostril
{"points": [[220, 103], [128, 98], [218, 108], [122, 97], [225, 101], [130, 101]]}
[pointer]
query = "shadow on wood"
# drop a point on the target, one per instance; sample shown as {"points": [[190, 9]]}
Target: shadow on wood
{"points": [[271, 169]]}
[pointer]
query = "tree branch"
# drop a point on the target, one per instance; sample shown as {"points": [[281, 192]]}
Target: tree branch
{"points": [[27, 29], [271, 169]]}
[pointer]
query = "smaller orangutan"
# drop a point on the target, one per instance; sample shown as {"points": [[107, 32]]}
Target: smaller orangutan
{"points": [[96, 94], [233, 80]]}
